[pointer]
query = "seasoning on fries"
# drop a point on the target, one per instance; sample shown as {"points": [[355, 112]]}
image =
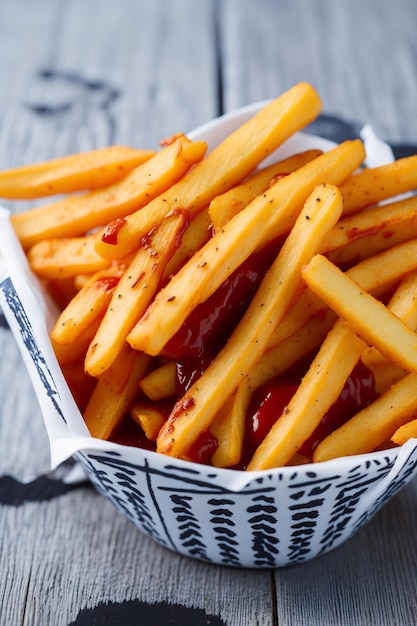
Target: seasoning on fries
{"points": [[226, 312]]}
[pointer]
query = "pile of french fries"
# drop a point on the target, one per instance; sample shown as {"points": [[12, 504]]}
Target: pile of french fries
{"points": [[137, 239]]}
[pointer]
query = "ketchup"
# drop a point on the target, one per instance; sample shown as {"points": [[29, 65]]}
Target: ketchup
{"points": [[270, 400]]}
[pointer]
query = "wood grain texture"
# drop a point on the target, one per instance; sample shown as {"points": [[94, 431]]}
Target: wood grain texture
{"points": [[78, 75]]}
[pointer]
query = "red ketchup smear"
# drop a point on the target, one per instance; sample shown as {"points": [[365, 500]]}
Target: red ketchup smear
{"points": [[106, 283], [208, 327], [203, 448], [270, 400], [359, 233], [128, 433], [112, 230]]}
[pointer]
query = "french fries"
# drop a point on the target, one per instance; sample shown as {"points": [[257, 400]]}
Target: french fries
{"points": [[236, 157], [75, 215], [270, 215], [190, 283], [76, 172], [195, 411]]}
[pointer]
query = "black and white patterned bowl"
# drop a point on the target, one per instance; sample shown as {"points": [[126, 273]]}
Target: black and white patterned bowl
{"points": [[260, 519]]}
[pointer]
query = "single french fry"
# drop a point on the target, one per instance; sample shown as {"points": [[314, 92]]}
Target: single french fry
{"points": [[369, 232], [404, 305], [372, 185], [320, 387], [160, 383], [364, 314], [88, 305], [76, 350], [76, 215], [133, 293], [66, 257], [75, 172], [149, 418], [114, 392], [195, 411], [197, 234], [405, 432], [228, 427], [267, 217], [228, 164], [381, 218], [374, 425], [223, 207]]}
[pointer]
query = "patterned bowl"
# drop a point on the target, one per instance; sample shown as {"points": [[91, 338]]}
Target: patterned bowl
{"points": [[260, 519]]}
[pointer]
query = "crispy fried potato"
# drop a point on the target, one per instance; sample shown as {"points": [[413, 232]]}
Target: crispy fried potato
{"points": [[160, 383], [405, 432], [76, 215], [133, 293], [372, 185], [76, 172], [87, 306], [114, 392], [374, 425], [319, 388], [65, 258]]}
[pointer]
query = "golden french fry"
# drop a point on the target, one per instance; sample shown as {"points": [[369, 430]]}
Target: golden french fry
{"points": [[404, 305], [114, 392], [76, 172], [372, 185], [369, 232], [149, 418], [76, 215], [196, 235], [364, 314], [223, 207], [133, 293], [228, 427], [160, 383], [88, 305], [194, 412], [374, 425], [266, 218], [405, 432], [228, 164], [66, 257], [76, 350]]}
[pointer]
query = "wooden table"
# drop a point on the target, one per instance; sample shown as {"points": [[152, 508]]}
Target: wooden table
{"points": [[78, 75]]}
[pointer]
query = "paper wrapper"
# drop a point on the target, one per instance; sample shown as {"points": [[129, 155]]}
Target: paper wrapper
{"points": [[252, 519]]}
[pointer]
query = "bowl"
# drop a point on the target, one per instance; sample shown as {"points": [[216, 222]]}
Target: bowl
{"points": [[262, 519]]}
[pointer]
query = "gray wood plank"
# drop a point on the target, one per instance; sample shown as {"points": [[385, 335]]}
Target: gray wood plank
{"points": [[359, 55]]}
